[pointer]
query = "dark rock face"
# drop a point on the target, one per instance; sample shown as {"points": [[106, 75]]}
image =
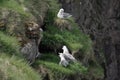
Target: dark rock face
{"points": [[30, 48], [101, 20]]}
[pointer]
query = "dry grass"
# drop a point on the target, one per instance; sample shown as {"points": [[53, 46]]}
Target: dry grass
{"points": [[62, 24]]}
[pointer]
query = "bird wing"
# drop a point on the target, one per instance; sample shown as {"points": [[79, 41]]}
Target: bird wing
{"points": [[66, 15], [64, 63], [69, 57]]}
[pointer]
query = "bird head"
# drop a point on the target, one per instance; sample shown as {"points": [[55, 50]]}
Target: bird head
{"points": [[64, 47], [61, 10]]}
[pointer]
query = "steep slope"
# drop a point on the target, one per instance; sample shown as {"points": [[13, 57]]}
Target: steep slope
{"points": [[56, 33], [13, 68], [12, 64]]}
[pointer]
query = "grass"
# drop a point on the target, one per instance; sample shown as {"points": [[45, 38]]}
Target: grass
{"points": [[62, 24], [15, 6], [51, 62], [55, 67], [9, 44], [53, 5], [54, 37], [12, 64], [50, 58], [74, 39], [13, 68]]}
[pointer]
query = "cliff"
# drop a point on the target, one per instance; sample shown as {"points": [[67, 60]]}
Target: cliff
{"points": [[101, 20], [91, 35]]}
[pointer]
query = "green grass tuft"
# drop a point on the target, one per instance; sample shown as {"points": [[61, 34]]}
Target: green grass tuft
{"points": [[51, 62], [13, 68], [74, 39], [9, 44], [54, 37], [14, 5]]}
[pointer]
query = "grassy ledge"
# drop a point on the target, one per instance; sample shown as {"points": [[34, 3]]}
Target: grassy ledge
{"points": [[51, 62], [9, 44], [13, 68], [15, 6]]}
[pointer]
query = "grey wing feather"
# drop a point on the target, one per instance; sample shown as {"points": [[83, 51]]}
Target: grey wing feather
{"points": [[64, 63], [66, 15], [69, 57]]}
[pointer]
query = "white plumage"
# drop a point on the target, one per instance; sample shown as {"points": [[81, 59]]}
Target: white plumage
{"points": [[63, 61], [41, 29], [65, 49], [62, 14], [67, 55]]}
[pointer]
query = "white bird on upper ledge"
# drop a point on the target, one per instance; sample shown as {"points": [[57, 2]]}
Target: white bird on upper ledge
{"points": [[62, 14]]}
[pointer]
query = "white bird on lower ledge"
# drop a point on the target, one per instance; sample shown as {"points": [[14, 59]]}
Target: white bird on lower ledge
{"points": [[62, 14], [63, 61], [67, 55]]}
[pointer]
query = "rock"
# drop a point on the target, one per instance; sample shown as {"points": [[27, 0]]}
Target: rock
{"points": [[2, 24], [30, 45], [33, 31], [100, 19], [44, 72], [14, 22], [30, 51]]}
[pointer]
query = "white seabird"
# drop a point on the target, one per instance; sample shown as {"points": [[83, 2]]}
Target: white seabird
{"points": [[67, 55], [62, 14], [63, 61], [41, 29], [65, 49]]}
